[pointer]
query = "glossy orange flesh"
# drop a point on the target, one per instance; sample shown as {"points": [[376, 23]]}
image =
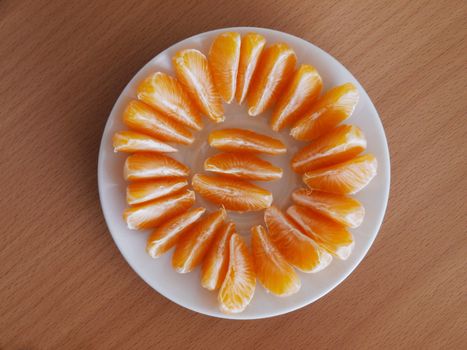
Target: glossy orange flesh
{"points": [[141, 166], [272, 270], [332, 108], [233, 194], [239, 284], [344, 178], [345, 210], [132, 141], [143, 191], [297, 248], [154, 213], [242, 166], [241, 140], [339, 145], [167, 235], [143, 118], [193, 246], [216, 261], [297, 97]]}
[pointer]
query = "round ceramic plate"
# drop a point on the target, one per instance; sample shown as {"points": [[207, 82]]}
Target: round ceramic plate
{"points": [[185, 289]]}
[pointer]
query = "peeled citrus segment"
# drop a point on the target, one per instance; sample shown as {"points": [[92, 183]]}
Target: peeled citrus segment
{"points": [[242, 166], [297, 248], [250, 51], [233, 194], [217, 259], [239, 283], [167, 235], [274, 70], [333, 107], [224, 57], [140, 192], [297, 97], [241, 140], [193, 71], [153, 213], [330, 235], [149, 166], [338, 145], [343, 209], [272, 270], [130, 141], [193, 246], [167, 95], [142, 118], [344, 178]]}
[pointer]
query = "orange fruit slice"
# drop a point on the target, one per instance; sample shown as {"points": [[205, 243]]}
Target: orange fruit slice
{"points": [[241, 140], [149, 166], [140, 192], [131, 141], [193, 71], [217, 259], [233, 194], [193, 246], [344, 178], [224, 57], [297, 248], [142, 118], [330, 235], [239, 283], [297, 97], [242, 166], [343, 209], [167, 235], [250, 51], [333, 107], [153, 213], [167, 95], [272, 270], [274, 70], [336, 146]]}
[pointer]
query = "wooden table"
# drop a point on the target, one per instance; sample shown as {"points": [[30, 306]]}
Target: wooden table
{"points": [[64, 284]]}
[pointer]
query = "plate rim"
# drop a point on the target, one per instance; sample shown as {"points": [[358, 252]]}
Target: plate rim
{"points": [[379, 220]]}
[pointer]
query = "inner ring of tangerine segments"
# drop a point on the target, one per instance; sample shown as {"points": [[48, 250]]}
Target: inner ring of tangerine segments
{"points": [[236, 116]]}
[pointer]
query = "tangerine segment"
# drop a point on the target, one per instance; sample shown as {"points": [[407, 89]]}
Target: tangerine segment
{"points": [[153, 213], [167, 95], [241, 140], [297, 248], [217, 259], [272, 270], [239, 283], [193, 246], [343, 209], [233, 194], [297, 97], [338, 145], [149, 166], [142, 118], [192, 69], [140, 192], [130, 141], [333, 237], [242, 166], [332, 108], [224, 57], [344, 178], [167, 235], [250, 51], [275, 68]]}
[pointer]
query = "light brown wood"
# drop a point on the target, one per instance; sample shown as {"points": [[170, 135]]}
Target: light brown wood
{"points": [[64, 284]]}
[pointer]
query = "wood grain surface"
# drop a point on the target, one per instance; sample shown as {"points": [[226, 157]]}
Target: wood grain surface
{"points": [[64, 284]]}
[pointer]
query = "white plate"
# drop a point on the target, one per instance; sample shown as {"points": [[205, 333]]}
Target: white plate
{"points": [[185, 289]]}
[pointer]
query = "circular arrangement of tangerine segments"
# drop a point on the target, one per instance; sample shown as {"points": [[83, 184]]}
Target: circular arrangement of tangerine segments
{"points": [[270, 308]]}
